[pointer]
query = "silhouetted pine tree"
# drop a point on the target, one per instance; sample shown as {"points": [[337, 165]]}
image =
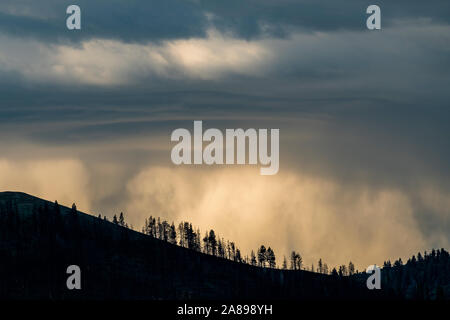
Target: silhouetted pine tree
{"points": [[253, 259], [284, 263], [262, 256], [173, 234], [351, 268], [296, 261], [238, 257], [270, 257], [212, 242]]}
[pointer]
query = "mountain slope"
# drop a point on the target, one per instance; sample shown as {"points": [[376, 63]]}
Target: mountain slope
{"points": [[40, 239]]}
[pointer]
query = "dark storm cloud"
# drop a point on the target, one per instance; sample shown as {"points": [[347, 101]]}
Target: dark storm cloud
{"points": [[142, 21], [251, 18], [129, 21]]}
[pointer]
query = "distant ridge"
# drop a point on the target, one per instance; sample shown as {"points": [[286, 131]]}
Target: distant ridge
{"points": [[24, 199], [40, 239], [119, 263], [26, 202]]}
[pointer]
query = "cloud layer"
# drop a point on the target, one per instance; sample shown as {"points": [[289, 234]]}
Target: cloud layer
{"points": [[65, 180], [316, 216]]}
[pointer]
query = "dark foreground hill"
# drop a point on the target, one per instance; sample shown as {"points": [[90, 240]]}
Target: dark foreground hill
{"points": [[40, 239]]}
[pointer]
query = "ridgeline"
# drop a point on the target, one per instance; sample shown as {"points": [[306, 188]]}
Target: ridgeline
{"points": [[40, 239]]}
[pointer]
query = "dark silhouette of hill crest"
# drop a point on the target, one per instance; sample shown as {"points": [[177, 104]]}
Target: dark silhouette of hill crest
{"points": [[40, 239]]}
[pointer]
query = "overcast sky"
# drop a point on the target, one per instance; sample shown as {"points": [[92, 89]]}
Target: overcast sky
{"points": [[86, 117]]}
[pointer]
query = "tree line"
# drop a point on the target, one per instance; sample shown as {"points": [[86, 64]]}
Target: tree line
{"points": [[187, 236], [47, 218]]}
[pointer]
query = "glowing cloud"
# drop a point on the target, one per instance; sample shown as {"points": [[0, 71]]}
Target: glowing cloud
{"points": [[315, 216], [65, 180]]}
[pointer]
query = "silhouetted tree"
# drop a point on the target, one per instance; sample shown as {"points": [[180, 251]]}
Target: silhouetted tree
{"points": [[334, 272], [299, 261], [398, 263], [233, 251], [262, 256], [121, 220], [270, 257], [342, 270], [173, 234], [351, 268], [220, 249], [212, 242], [238, 257], [198, 240], [419, 257], [253, 259], [293, 261], [296, 261], [325, 268], [206, 243]]}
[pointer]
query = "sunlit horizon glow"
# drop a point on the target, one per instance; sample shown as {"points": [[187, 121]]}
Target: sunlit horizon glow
{"points": [[315, 216]]}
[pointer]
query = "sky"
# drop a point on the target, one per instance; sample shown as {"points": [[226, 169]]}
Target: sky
{"points": [[86, 117]]}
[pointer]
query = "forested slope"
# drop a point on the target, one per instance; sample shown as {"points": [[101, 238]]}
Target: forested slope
{"points": [[40, 239]]}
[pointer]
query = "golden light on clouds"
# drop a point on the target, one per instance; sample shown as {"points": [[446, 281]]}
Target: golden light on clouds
{"points": [[65, 180], [288, 211], [106, 62], [316, 216]]}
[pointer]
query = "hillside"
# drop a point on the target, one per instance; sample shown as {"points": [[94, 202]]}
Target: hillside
{"points": [[40, 239]]}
